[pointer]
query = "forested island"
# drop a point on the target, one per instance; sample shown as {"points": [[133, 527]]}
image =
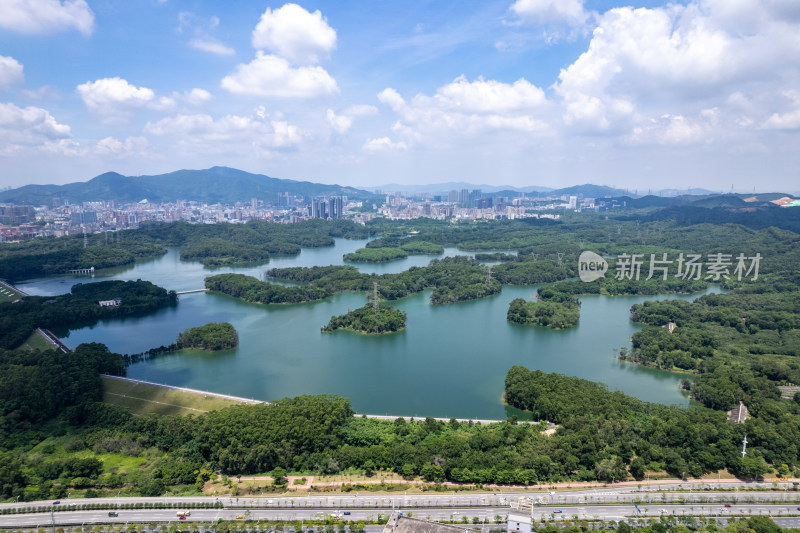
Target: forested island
{"points": [[453, 279], [369, 320], [375, 255], [81, 306], [211, 337], [556, 315]]}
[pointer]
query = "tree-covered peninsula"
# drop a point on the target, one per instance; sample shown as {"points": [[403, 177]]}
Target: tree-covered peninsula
{"points": [[370, 319], [211, 337], [81, 306], [375, 255]]}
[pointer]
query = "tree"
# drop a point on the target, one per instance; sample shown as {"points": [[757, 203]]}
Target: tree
{"points": [[279, 477], [638, 468]]}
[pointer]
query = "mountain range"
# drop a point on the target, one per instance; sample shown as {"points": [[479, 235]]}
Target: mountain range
{"points": [[216, 184], [229, 185]]}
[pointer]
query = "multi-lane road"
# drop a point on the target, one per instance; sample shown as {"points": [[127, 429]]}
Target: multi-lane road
{"points": [[548, 512], [601, 503]]}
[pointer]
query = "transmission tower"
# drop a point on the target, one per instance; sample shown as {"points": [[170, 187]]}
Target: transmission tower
{"points": [[744, 445], [489, 277], [375, 296], [560, 258]]}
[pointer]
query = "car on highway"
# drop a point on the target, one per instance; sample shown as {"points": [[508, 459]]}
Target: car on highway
{"points": [[559, 511], [183, 517], [239, 517], [346, 513], [57, 502], [113, 514], [727, 505]]}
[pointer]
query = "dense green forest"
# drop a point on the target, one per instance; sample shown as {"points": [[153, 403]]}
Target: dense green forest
{"points": [[19, 319], [39, 257], [641, 436], [452, 279], [369, 320], [212, 337], [601, 435]]}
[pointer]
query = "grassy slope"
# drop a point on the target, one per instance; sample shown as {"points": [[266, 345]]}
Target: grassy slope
{"points": [[141, 399], [7, 295], [36, 342]]}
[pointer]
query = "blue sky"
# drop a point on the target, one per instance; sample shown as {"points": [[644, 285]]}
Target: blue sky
{"points": [[520, 92]]}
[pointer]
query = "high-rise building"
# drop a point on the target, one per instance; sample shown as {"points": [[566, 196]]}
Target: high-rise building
{"points": [[319, 208], [336, 207]]}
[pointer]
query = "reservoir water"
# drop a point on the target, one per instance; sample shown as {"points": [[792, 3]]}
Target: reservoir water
{"points": [[450, 361]]}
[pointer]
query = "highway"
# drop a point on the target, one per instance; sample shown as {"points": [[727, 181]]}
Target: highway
{"points": [[581, 512], [596, 503]]}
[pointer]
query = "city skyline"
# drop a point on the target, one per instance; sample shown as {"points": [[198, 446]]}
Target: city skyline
{"points": [[525, 92]]}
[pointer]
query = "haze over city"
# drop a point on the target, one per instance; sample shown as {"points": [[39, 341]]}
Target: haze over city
{"points": [[526, 92]]}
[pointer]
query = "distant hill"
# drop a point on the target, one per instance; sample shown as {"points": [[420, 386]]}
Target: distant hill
{"points": [[691, 191], [216, 184], [587, 191], [443, 188]]}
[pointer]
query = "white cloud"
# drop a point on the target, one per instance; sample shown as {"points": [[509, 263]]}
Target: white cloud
{"points": [[46, 16], [202, 29], [669, 130], [469, 109], [212, 46], [114, 98], [202, 134], [31, 128], [549, 11], [675, 60], [489, 95], [343, 121], [10, 71], [132, 146], [194, 97], [340, 123], [272, 76], [383, 144], [295, 34], [790, 120]]}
